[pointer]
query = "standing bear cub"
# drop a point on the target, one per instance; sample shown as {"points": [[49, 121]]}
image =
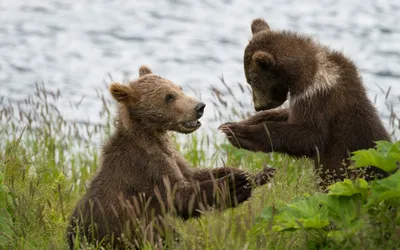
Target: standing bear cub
{"points": [[142, 176], [329, 115]]}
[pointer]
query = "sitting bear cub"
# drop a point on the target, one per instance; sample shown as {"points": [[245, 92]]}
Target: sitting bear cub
{"points": [[142, 176]]}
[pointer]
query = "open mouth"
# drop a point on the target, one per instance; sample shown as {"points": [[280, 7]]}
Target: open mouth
{"points": [[188, 127], [192, 124]]}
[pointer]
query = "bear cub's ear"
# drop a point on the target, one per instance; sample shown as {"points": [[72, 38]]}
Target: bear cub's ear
{"points": [[144, 70], [263, 59], [259, 25], [119, 92]]}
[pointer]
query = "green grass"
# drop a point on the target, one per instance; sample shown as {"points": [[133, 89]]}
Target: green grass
{"points": [[46, 163]]}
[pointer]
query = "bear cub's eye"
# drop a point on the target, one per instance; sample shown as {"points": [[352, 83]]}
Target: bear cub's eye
{"points": [[169, 97]]}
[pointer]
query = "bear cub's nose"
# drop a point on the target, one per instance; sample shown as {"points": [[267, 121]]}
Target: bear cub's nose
{"points": [[199, 109]]}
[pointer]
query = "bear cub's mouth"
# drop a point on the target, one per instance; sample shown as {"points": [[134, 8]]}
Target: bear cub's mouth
{"points": [[192, 124], [188, 127]]}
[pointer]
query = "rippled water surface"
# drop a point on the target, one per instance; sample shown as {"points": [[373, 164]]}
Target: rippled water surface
{"points": [[75, 46]]}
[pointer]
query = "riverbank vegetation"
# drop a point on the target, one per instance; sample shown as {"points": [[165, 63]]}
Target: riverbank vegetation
{"points": [[46, 162]]}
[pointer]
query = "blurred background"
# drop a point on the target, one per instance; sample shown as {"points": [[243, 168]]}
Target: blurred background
{"points": [[79, 46]]}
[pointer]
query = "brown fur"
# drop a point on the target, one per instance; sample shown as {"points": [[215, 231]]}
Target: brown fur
{"points": [[329, 115], [142, 176]]}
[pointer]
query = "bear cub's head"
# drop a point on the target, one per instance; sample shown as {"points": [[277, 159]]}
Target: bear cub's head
{"points": [[277, 63], [157, 104]]}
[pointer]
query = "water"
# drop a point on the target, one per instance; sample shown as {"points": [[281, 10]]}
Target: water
{"points": [[75, 46]]}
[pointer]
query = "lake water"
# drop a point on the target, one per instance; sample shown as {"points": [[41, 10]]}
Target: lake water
{"points": [[75, 46]]}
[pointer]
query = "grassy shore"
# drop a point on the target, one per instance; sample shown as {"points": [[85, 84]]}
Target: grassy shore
{"points": [[46, 163]]}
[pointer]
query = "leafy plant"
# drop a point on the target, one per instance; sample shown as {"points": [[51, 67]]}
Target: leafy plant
{"points": [[351, 208], [305, 213], [385, 155]]}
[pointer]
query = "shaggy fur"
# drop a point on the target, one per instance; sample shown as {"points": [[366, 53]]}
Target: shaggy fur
{"points": [[142, 176], [329, 113]]}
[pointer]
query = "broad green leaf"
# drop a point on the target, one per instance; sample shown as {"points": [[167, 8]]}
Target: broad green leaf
{"points": [[398, 218], [265, 220], [386, 148], [348, 187], [5, 216], [5, 226], [343, 210], [306, 213], [5, 199], [346, 232], [387, 189], [267, 213], [385, 156]]}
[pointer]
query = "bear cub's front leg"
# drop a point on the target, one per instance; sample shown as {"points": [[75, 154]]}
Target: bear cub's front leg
{"points": [[274, 115]]}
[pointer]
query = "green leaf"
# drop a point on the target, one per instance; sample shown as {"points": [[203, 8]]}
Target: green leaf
{"points": [[398, 218], [345, 233], [387, 148], [349, 188], [267, 213], [385, 156], [306, 213], [343, 210], [387, 189], [265, 220], [5, 216]]}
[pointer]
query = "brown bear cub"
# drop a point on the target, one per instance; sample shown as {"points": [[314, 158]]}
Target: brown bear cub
{"points": [[142, 176], [329, 115]]}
